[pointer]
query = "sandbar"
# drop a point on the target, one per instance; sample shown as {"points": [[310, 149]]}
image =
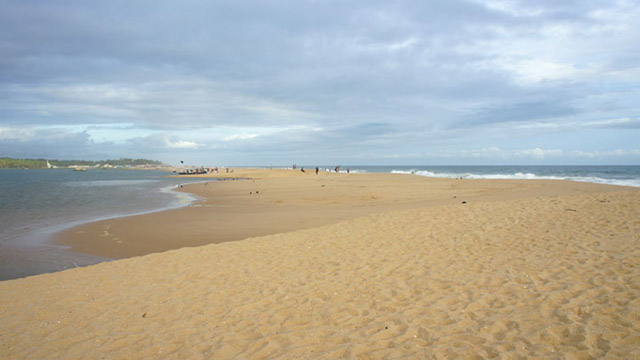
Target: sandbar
{"points": [[268, 202]]}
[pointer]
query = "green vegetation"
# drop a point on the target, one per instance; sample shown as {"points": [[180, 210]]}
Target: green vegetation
{"points": [[10, 163]]}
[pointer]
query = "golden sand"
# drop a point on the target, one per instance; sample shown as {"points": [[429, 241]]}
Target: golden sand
{"points": [[278, 201], [506, 275]]}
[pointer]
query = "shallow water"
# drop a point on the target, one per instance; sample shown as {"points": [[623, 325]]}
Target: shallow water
{"points": [[36, 203]]}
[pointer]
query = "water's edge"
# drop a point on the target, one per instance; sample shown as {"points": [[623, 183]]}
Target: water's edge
{"points": [[34, 252]]}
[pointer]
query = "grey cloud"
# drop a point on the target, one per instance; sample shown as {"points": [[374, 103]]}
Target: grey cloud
{"points": [[51, 144], [520, 112], [325, 142], [630, 124], [366, 72], [162, 142]]}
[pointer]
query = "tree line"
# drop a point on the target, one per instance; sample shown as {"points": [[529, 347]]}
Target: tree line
{"points": [[11, 163]]}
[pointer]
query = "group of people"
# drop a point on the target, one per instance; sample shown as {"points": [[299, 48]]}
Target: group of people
{"points": [[215, 170], [336, 169]]}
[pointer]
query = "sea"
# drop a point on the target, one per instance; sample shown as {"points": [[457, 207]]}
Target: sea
{"points": [[34, 204], [622, 175]]}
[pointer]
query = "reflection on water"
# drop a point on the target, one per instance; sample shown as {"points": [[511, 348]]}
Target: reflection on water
{"points": [[35, 203]]}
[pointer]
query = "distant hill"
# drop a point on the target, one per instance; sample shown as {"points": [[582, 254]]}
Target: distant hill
{"points": [[10, 163]]}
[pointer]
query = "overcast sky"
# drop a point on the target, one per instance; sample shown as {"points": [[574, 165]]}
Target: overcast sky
{"points": [[322, 82]]}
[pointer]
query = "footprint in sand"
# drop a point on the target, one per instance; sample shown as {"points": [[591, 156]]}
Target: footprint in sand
{"points": [[106, 231]]}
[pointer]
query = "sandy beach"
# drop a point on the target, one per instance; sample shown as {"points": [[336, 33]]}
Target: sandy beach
{"points": [[367, 266], [270, 202]]}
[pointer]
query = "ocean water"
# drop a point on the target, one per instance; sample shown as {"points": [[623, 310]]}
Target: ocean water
{"points": [[36, 203], [611, 175]]}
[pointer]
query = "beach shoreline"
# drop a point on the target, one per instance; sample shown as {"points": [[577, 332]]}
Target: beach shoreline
{"points": [[57, 200], [258, 202], [505, 269]]}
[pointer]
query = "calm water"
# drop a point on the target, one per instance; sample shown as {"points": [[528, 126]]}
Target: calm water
{"points": [[36, 203]]}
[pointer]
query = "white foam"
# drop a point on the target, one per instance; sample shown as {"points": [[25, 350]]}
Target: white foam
{"points": [[520, 176]]}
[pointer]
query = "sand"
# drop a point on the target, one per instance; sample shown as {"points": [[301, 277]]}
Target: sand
{"points": [[277, 201], [521, 270]]}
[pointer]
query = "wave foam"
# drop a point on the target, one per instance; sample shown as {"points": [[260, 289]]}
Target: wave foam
{"points": [[520, 176]]}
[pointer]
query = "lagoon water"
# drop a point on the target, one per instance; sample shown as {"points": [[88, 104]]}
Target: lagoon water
{"points": [[36, 203]]}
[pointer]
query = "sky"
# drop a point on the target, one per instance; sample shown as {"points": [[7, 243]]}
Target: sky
{"points": [[359, 82]]}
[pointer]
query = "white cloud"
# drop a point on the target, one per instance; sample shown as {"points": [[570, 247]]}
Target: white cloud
{"points": [[513, 8], [537, 70], [577, 125], [603, 154], [162, 142], [538, 153], [16, 133], [386, 47], [496, 153], [42, 134], [490, 152], [483, 153], [240, 137], [177, 102], [94, 93], [182, 144], [558, 43]]}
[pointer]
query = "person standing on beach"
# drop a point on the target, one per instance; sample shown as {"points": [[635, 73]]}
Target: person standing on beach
{"points": [[317, 170]]}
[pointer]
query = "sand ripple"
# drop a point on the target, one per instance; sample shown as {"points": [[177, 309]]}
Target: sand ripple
{"points": [[546, 278]]}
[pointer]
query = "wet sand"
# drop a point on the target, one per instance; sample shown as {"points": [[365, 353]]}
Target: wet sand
{"points": [[531, 269], [277, 201]]}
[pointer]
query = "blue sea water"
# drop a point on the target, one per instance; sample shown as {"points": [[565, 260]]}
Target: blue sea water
{"points": [[36, 203], [603, 174]]}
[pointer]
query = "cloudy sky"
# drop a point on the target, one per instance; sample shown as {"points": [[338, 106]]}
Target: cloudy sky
{"points": [[322, 82]]}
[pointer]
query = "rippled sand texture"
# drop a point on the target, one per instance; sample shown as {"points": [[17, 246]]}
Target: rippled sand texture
{"points": [[546, 277]]}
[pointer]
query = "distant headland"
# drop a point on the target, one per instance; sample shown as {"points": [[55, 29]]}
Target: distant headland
{"points": [[11, 163]]}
